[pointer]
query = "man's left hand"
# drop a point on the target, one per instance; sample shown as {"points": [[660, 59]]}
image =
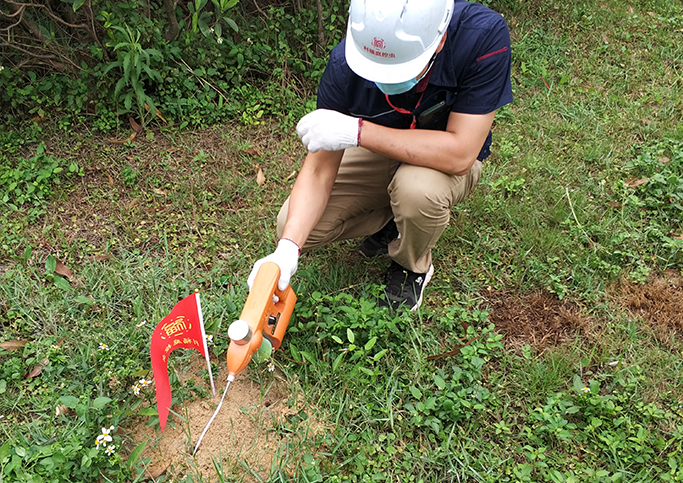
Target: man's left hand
{"points": [[327, 130]]}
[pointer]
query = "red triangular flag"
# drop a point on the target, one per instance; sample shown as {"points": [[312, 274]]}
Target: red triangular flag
{"points": [[182, 328]]}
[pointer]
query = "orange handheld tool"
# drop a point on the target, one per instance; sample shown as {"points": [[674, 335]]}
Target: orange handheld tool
{"points": [[262, 316]]}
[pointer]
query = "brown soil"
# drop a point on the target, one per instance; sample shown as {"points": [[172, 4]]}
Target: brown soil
{"points": [[243, 432], [538, 319], [659, 302], [221, 162], [543, 321]]}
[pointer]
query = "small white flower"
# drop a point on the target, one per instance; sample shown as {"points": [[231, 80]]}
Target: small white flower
{"points": [[2, 67], [585, 389], [271, 367], [54, 346], [220, 40], [211, 30], [136, 389], [141, 323], [105, 437], [144, 382], [104, 347], [209, 338], [110, 450]]}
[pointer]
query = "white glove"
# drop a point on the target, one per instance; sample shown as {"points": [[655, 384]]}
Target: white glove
{"points": [[326, 130], [286, 256]]}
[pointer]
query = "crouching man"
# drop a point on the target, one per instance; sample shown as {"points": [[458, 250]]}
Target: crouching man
{"points": [[402, 125]]}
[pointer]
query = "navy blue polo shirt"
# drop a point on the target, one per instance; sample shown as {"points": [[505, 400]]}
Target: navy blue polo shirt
{"points": [[471, 75]]}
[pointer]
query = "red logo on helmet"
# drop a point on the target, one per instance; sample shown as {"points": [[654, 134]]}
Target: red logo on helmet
{"points": [[378, 43]]}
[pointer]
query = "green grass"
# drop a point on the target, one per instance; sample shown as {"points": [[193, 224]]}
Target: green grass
{"points": [[597, 104]]}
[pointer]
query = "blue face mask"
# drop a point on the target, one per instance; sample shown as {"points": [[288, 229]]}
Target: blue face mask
{"points": [[393, 89], [400, 88]]}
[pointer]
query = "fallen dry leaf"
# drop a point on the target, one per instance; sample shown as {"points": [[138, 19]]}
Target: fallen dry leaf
{"points": [[630, 10], [647, 122], [111, 180], [252, 151], [678, 236], [635, 182], [663, 159], [605, 40], [260, 177], [62, 410], [159, 192], [134, 125], [38, 369], [12, 345], [123, 141], [158, 114], [614, 204], [63, 270]]}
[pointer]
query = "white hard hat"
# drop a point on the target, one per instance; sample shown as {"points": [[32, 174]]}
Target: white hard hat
{"points": [[392, 41]]}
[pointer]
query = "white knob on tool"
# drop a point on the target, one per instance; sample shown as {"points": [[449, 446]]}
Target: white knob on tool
{"points": [[239, 332]]}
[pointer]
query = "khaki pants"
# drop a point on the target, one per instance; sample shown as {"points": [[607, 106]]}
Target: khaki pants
{"points": [[371, 189]]}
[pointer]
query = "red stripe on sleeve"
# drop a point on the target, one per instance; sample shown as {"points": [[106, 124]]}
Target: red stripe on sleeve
{"points": [[500, 51]]}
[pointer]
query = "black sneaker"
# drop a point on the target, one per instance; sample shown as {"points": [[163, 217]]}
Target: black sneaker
{"points": [[405, 287], [378, 244]]}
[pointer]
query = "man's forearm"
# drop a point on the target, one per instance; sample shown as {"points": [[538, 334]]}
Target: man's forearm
{"points": [[452, 151], [310, 194]]}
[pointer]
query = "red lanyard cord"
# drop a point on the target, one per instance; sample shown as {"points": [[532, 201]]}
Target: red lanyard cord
{"points": [[421, 87], [406, 111]]}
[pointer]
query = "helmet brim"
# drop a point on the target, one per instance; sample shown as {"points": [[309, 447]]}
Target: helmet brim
{"points": [[375, 70]]}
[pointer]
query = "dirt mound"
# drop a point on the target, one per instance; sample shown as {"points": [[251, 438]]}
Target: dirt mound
{"points": [[659, 302], [538, 319], [243, 441]]}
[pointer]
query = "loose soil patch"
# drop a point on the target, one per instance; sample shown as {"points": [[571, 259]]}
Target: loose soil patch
{"points": [[659, 302], [538, 319], [243, 435]]}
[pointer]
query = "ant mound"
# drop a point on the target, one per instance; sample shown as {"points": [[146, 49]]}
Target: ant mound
{"points": [[243, 440]]}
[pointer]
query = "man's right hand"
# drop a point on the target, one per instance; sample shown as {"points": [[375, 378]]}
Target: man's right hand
{"points": [[286, 256]]}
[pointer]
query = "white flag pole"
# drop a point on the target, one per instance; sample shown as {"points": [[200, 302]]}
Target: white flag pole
{"points": [[206, 347]]}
